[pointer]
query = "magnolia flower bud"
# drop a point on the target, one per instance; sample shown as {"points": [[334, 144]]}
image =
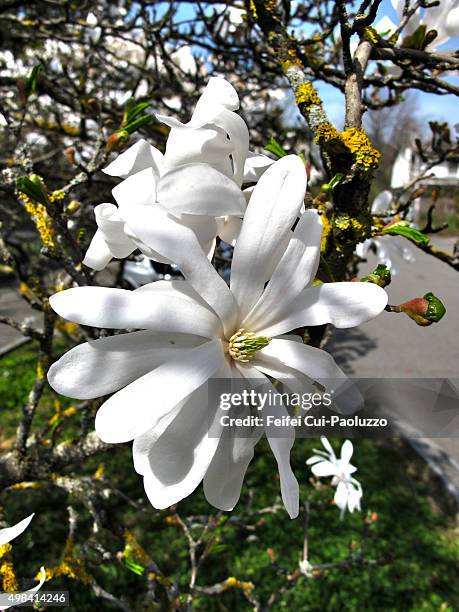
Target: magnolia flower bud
{"points": [[72, 207], [424, 311], [69, 154], [117, 140], [380, 276]]}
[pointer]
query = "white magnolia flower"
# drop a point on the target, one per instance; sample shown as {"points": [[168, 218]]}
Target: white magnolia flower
{"points": [[348, 490], [389, 250], [7, 535], [197, 181], [444, 19], [200, 328]]}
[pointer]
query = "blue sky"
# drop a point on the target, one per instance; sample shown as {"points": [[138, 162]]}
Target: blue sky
{"points": [[430, 106]]}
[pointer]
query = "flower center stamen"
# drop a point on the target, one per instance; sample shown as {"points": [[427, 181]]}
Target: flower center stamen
{"points": [[243, 345]]}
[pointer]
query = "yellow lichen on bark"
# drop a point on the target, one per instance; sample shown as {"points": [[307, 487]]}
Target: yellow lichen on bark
{"points": [[232, 582], [42, 220], [307, 96], [71, 566], [358, 143], [9, 579]]}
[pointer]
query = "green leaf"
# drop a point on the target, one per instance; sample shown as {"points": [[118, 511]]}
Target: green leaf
{"points": [[130, 128], [416, 40], [31, 80], [402, 228], [335, 181], [275, 148], [134, 567], [33, 188], [134, 111]]}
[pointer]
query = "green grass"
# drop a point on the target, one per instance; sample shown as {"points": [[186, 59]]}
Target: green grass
{"points": [[412, 540]]}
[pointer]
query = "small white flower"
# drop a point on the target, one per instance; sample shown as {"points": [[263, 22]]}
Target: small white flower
{"points": [[7, 535], [325, 463], [200, 328], [389, 250]]}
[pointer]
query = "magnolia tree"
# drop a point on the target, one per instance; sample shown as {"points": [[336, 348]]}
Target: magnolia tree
{"points": [[160, 133]]}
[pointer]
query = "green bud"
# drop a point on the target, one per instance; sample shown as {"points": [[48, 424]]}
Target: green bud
{"points": [[380, 276], [275, 148], [436, 309], [335, 181]]}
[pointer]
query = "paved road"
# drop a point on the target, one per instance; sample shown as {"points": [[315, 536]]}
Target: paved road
{"points": [[12, 305], [393, 346]]}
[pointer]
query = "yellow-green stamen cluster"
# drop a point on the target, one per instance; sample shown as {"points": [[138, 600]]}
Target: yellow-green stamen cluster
{"points": [[243, 345]]}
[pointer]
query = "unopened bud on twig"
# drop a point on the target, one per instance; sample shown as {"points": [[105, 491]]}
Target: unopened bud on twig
{"points": [[424, 311], [380, 276], [69, 154]]}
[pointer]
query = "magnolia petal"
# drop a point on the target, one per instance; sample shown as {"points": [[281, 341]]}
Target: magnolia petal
{"points": [[179, 458], [295, 271], [218, 92], [123, 309], [328, 447], [344, 305], [346, 451], [317, 365], [341, 495], [451, 24], [187, 144], [279, 444], [354, 497], [293, 380], [111, 226], [255, 165], [179, 244], [382, 201], [238, 133], [225, 475], [230, 230], [138, 407], [9, 533], [281, 447], [274, 206], [137, 190], [138, 157], [100, 367], [363, 248], [324, 468], [98, 255], [31, 591], [199, 189], [385, 24]]}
